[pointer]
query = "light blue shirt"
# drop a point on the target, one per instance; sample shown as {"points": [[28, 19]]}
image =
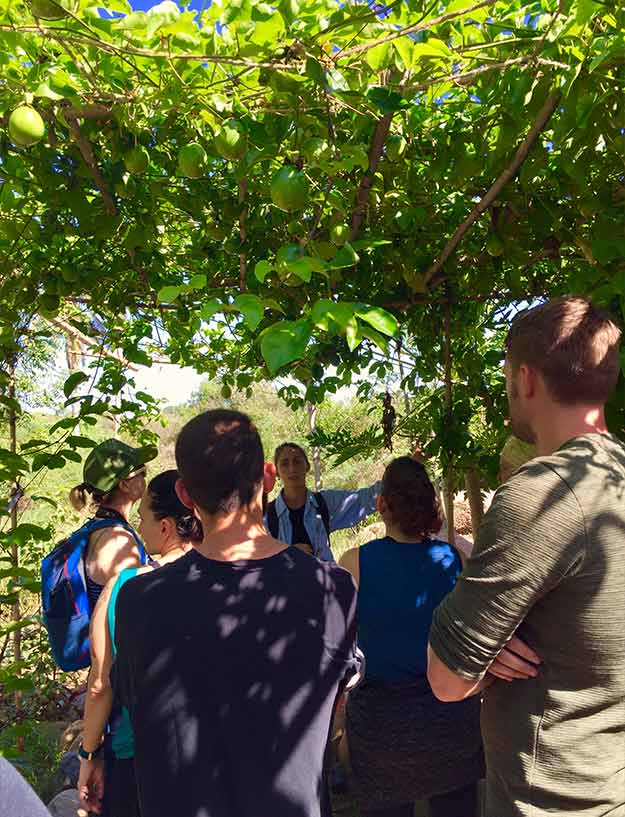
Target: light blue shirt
{"points": [[346, 508]]}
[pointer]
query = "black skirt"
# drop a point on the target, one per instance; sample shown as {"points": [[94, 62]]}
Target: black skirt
{"points": [[406, 745]]}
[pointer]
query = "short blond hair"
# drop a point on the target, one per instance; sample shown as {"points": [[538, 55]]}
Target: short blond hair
{"points": [[573, 344]]}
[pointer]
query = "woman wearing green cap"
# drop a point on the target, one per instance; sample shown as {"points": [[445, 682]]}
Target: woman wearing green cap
{"points": [[113, 480]]}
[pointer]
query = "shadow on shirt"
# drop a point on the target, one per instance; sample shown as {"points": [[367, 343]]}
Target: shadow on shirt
{"points": [[231, 672]]}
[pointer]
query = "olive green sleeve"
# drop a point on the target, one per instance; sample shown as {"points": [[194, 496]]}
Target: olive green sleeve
{"points": [[532, 536]]}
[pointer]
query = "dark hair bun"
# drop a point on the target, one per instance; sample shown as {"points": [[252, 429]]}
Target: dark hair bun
{"points": [[165, 503], [411, 498]]}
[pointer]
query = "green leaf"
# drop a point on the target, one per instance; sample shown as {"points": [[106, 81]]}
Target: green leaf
{"points": [[345, 257], [135, 21], [161, 15], [431, 48], [352, 334], [44, 90], [211, 308], [316, 72], [283, 343], [45, 460], [289, 9], [252, 309], [606, 250], [18, 685], [73, 381], [405, 49], [197, 282], [262, 270], [302, 267], [45, 499], [325, 310], [378, 318], [167, 295], [586, 10], [380, 56], [336, 82], [76, 441], [386, 100], [375, 337]]}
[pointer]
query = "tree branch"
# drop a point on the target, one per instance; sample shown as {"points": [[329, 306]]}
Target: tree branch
{"points": [[508, 174], [402, 32], [375, 152], [90, 343], [86, 151], [94, 42], [243, 235], [465, 77]]}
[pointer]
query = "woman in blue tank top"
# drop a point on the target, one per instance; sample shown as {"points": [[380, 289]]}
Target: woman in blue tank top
{"points": [[404, 744], [168, 529]]}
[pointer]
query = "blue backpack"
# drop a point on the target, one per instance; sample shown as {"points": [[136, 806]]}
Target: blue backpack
{"points": [[65, 602]]}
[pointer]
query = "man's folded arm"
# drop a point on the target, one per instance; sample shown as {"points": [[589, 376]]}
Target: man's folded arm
{"points": [[524, 548]]}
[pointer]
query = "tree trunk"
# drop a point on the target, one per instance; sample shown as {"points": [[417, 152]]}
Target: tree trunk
{"points": [[316, 454], [15, 556], [474, 495], [449, 505], [449, 477]]}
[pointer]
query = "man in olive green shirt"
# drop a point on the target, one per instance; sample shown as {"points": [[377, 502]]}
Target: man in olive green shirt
{"points": [[549, 564]]}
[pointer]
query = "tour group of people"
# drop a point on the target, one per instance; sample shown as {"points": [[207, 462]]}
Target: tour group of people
{"points": [[219, 661]]}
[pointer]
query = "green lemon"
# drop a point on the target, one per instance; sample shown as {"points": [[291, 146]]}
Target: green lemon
{"points": [[26, 126], [231, 140], [395, 147], [495, 246], [137, 160], [315, 148], [192, 160], [289, 189], [339, 234]]}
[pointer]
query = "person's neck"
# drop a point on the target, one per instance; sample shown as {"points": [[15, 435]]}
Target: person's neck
{"points": [[173, 550], [295, 496], [564, 423], [393, 532], [237, 536], [122, 506]]}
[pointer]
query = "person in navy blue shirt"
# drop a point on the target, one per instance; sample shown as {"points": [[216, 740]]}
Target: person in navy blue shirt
{"points": [[230, 660], [300, 517], [404, 745]]}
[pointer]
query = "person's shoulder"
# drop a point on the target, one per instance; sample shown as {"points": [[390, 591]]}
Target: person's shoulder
{"points": [[342, 582], [332, 576], [541, 495], [150, 582]]}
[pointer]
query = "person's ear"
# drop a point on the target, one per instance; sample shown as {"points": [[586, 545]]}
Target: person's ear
{"points": [[124, 487], [527, 381], [380, 505], [168, 527], [269, 477], [183, 494]]}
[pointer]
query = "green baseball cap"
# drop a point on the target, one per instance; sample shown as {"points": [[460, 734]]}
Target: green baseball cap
{"points": [[111, 461]]}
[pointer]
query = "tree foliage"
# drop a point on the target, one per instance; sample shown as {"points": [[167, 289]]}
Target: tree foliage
{"points": [[259, 190], [323, 192]]}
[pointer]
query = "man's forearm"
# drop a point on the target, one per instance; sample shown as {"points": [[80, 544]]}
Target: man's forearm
{"points": [[449, 686]]}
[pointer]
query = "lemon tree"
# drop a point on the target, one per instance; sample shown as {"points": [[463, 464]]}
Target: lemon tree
{"points": [[333, 192]]}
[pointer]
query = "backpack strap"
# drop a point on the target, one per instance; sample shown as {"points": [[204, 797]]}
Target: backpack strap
{"points": [[97, 523], [273, 524], [322, 506]]}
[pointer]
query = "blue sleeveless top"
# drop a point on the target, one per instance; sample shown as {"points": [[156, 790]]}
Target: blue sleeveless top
{"points": [[400, 586], [122, 736]]}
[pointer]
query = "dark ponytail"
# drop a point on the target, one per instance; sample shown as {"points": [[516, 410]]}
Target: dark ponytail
{"points": [[165, 504], [411, 498]]}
